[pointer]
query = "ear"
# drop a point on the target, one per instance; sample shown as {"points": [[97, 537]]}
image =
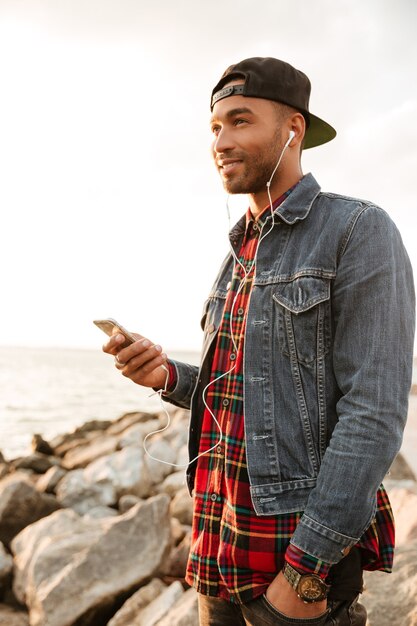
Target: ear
{"points": [[297, 124]]}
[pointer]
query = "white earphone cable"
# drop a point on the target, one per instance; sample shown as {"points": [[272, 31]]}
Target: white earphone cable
{"points": [[246, 274]]}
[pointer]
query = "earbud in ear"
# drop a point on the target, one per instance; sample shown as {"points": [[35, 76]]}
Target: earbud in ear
{"points": [[291, 135]]}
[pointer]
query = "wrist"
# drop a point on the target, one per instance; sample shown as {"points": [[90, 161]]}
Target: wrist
{"points": [[283, 597], [310, 588]]}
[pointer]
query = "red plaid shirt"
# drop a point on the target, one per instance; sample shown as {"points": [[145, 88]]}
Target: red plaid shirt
{"points": [[235, 554]]}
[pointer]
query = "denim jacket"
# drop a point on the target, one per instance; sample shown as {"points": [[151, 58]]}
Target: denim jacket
{"points": [[327, 364]]}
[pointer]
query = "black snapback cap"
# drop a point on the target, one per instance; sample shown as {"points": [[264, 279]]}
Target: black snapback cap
{"points": [[272, 79]]}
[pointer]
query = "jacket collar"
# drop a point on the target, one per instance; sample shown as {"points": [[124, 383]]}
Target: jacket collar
{"points": [[294, 208], [298, 204]]}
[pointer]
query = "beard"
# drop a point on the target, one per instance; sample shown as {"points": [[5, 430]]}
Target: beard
{"points": [[256, 170]]}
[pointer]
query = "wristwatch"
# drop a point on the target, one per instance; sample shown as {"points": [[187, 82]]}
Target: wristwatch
{"points": [[309, 587]]}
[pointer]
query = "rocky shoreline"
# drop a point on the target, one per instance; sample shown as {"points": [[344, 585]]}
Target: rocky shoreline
{"points": [[95, 533]]}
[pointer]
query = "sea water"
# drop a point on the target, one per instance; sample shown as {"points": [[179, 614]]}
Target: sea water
{"points": [[53, 390]]}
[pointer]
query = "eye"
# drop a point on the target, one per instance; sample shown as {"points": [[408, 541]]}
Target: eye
{"points": [[239, 120], [215, 129]]}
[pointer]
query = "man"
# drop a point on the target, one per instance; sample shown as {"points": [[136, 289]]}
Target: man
{"points": [[298, 408]]}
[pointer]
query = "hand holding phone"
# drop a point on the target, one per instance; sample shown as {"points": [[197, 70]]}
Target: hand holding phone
{"points": [[108, 325], [139, 363]]}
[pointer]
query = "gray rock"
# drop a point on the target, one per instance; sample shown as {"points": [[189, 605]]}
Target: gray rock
{"points": [[130, 611], [77, 492], [182, 507], [135, 434], [404, 506], [182, 455], [105, 480], [71, 570], [6, 562], [162, 451], [178, 531], [160, 606], [184, 612], [39, 444], [128, 501], [81, 457], [12, 617], [6, 568], [95, 426], [172, 483], [129, 419], [400, 469], [48, 482], [101, 512], [65, 443], [21, 504], [36, 462], [390, 599], [176, 563], [177, 432], [126, 469]]}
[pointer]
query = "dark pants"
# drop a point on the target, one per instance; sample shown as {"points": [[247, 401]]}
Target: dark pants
{"points": [[343, 607]]}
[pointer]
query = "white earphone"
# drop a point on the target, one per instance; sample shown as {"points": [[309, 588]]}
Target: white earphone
{"points": [[246, 273]]}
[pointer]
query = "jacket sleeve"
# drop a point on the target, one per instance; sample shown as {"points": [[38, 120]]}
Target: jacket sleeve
{"points": [[373, 316], [183, 385]]}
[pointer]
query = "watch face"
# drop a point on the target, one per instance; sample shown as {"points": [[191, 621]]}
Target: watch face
{"points": [[311, 588]]}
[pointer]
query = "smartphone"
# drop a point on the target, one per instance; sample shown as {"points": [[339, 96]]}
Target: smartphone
{"points": [[109, 324]]}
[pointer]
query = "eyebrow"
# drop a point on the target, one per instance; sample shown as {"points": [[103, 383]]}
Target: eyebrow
{"points": [[233, 113]]}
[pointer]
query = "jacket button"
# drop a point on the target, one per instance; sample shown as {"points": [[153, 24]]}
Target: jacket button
{"points": [[233, 356], [226, 402], [240, 311], [229, 284]]}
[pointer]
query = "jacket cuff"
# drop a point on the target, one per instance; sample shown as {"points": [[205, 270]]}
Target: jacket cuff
{"points": [[321, 542], [306, 563], [182, 380]]}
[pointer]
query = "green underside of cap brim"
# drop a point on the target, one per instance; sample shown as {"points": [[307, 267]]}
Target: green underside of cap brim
{"points": [[318, 132]]}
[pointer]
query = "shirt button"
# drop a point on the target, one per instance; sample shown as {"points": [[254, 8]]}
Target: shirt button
{"points": [[241, 311], [211, 328], [226, 402], [232, 356], [229, 284], [213, 497]]}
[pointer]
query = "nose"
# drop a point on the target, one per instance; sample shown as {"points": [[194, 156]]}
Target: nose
{"points": [[223, 141]]}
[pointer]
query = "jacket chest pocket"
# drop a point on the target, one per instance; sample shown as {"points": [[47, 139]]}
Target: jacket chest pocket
{"points": [[303, 317], [211, 317]]}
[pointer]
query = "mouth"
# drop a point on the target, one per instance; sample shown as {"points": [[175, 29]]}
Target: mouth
{"points": [[228, 166]]}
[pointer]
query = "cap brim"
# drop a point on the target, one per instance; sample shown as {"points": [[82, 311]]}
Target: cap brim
{"points": [[318, 132]]}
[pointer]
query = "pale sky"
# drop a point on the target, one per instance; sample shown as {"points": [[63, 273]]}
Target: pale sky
{"points": [[110, 204]]}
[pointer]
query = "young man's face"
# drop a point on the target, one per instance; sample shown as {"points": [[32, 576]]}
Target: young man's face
{"points": [[247, 142]]}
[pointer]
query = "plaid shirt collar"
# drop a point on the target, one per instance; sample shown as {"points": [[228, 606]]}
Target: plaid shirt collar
{"points": [[250, 221]]}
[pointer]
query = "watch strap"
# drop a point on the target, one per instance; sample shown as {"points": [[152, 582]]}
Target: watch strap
{"points": [[295, 578]]}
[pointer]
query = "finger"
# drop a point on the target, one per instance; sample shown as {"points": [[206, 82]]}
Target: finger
{"points": [[140, 361], [148, 368], [138, 348], [114, 344], [118, 363]]}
